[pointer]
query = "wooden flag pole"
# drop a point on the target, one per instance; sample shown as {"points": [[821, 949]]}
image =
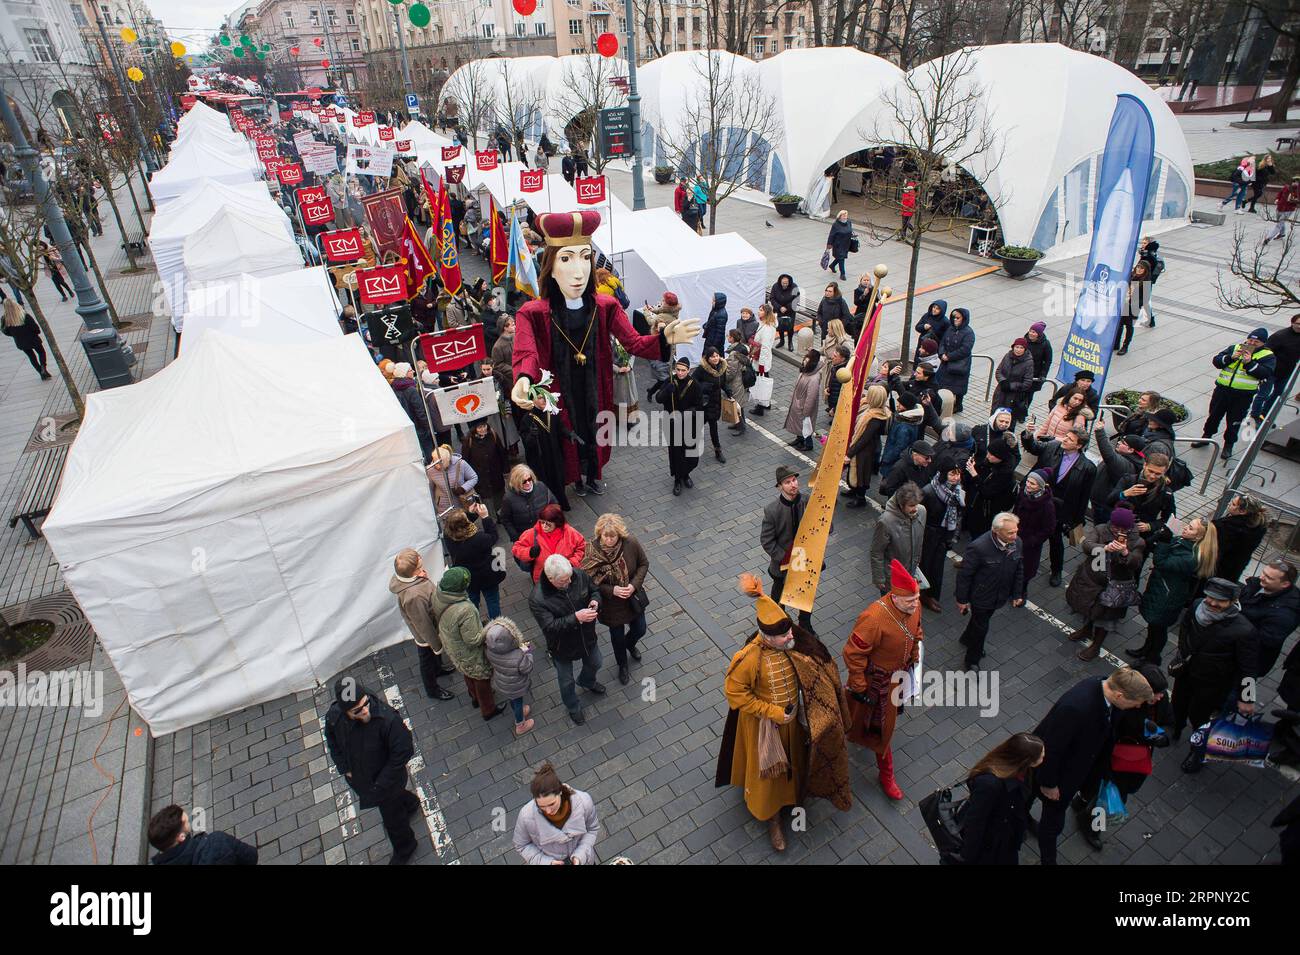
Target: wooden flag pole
{"points": [[809, 548]]}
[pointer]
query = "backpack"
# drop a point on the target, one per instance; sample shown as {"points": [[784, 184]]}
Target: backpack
{"points": [[943, 813], [1157, 267], [1179, 474]]}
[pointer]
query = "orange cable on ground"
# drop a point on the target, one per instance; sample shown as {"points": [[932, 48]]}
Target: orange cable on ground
{"points": [[112, 781]]}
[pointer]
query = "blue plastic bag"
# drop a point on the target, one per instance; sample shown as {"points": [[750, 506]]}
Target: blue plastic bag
{"points": [[1109, 799], [1238, 738]]}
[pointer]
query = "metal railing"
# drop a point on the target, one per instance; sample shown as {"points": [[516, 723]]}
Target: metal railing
{"points": [[988, 384], [1214, 455]]}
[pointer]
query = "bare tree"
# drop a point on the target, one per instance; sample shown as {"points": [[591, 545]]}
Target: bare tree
{"points": [[1187, 23], [1283, 17], [727, 123], [471, 89], [20, 247], [585, 90], [654, 17], [1257, 282], [521, 104], [937, 114], [1071, 23]]}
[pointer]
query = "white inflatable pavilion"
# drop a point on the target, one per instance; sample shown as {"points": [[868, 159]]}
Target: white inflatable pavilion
{"points": [[225, 524]]}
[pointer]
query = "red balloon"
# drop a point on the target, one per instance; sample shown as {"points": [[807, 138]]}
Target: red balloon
{"points": [[318, 41], [325, 63], [607, 44], [293, 50], [525, 7]]}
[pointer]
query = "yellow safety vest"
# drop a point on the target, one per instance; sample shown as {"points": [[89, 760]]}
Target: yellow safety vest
{"points": [[1234, 375]]}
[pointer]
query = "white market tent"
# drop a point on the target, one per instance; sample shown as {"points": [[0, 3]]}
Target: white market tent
{"points": [[189, 166], [291, 308], [247, 559], [201, 114], [240, 151], [176, 220], [235, 241]]}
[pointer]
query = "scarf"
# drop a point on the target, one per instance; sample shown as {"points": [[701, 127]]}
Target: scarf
{"points": [[605, 567], [1035, 495], [1205, 616], [953, 498], [561, 815], [865, 416]]}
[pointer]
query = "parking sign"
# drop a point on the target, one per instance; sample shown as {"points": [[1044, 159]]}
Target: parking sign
{"points": [[412, 103]]}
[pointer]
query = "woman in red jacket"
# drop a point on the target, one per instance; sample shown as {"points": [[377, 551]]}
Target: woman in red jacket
{"points": [[550, 535]]}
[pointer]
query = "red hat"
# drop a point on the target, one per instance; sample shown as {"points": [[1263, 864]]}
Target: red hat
{"points": [[670, 298], [901, 582], [1022, 342], [569, 228]]}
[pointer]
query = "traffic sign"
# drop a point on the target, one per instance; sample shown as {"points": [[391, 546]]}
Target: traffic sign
{"points": [[412, 104]]}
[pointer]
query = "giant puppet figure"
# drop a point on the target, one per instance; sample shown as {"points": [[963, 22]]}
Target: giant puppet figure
{"points": [[567, 332]]}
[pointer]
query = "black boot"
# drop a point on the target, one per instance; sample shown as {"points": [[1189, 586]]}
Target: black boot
{"points": [[717, 453], [756, 411], [677, 488], [623, 675]]}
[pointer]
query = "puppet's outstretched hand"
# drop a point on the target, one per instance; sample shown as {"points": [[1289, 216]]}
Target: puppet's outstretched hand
{"points": [[681, 330]]}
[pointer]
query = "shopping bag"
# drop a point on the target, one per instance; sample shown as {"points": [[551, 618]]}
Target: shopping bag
{"points": [[730, 411], [1238, 738], [1110, 800], [762, 390], [826, 259], [943, 812]]}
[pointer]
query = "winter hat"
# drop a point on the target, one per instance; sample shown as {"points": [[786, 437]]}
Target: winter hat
{"points": [[386, 368], [1260, 334], [900, 581], [1217, 588], [923, 447], [1022, 342], [670, 298], [784, 472], [1165, 416], [684, 362], [772, 620], [1084, 375], [455, 580], [1040, 327], [1134, 441], [348, 692], [1122, 518], [929, 346], [998, 411], [402, 370]]}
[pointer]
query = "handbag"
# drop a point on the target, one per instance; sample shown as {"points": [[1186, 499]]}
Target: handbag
{"points": [[730, 411], [1076, 535], [854, 244], [943, 811], [762, 390], [826, 259], [1120, 594], [1235, 737], [1131, 758], [640, 600]]}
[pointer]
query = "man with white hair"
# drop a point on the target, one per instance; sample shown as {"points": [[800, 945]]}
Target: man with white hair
{"points": [[565, 604], [992, 572]]}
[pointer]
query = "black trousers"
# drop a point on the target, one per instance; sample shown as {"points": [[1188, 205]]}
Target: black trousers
{"points": [[429, 669], [1124, 330], [1229, 403], [36, 355], [1056, 550], [1051, 823], [977, 631], [396, 812], [1157, 637], [805, 616], [713, 432]]}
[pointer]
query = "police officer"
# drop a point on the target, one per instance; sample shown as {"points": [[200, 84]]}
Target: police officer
{"points": [[1241, 369]]}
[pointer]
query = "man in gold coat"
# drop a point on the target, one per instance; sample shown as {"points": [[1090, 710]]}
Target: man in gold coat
{"points": [[784, 738]]}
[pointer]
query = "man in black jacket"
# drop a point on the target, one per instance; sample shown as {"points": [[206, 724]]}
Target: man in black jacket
{"points": [[370, 746], [780, 524], [1149, 495], [1121, 458], [1075, 731], [916, 466], [1285, 346], [1219, 653], [1272, 603], [1071, 475], [565, 604], [177, 844], [992, 572]]}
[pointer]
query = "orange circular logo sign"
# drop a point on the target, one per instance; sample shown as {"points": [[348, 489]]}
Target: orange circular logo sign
{"points": [[467, 404]]}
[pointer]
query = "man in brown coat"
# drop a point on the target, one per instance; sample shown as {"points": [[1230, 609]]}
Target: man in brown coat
{"points": [[414, 590]]}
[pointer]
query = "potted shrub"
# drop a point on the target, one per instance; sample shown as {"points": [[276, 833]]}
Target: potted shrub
{"points": [[1017, 260], [1128, 397], [786, 204], [663, 174]]}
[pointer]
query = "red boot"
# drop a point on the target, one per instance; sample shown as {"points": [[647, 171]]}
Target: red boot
{"points": [[885, 763]]}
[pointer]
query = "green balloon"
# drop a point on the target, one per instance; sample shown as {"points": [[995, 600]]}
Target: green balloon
{"points": [[261, 55], [266, 48], [239, 51], [243, 38], [225, 40], [395, 2], [419, 15]]}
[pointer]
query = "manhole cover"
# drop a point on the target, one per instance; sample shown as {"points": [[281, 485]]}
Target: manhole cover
{"points": [[51, 634], [53, 431]]}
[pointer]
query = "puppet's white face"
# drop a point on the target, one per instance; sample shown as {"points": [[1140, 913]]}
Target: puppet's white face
{"points": [[572, 270]]}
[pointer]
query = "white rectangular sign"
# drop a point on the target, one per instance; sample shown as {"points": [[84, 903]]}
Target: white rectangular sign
{"points": [[370, 160], [463, 403], [320, 158]]}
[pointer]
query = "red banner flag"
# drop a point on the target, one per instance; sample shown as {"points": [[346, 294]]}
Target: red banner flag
{"points": [[367, 116], [267, 153], [343, 245], [382, 285], [386, 213], [590, 189], [403, 145], [445, 230], [310, 195], [317, 213], [449, 153], [415, 257], [500, 248], [187, 101], [264, 141], [454, 174], [356, 122], [291, 174], [387, 134], [454, 348], [485, 160], [530, 180], [273, 166]]}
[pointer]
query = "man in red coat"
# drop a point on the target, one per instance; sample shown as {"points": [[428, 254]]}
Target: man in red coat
{"points": [[567, 332]]}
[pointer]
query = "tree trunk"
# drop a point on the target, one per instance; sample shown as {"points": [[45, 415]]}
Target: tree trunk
{"points": [[1287, 93], [103, 289], [117, 215], [135, 204], [904, 353], [144, 180], [53, 344]]}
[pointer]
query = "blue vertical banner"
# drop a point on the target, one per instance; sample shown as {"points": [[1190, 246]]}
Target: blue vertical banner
{"points": [[1121, 196]]}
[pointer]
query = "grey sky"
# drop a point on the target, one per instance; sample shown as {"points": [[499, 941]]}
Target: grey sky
{"points": [[192, 21]]}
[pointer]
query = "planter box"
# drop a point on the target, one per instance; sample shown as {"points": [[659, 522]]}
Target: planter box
{"points": [[663, 178], [1017, 268], [1219, 189], [786, 209]]}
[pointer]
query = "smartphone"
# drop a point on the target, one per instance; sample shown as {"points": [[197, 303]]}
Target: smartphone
{"points": [[1175, 526]]}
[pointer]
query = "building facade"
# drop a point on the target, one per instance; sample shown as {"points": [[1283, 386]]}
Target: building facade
{"points": [[42, 53]]}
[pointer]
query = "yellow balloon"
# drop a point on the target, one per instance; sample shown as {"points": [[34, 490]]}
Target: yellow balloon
{"points": [[128, 35], [178, 48], [135, 74]]}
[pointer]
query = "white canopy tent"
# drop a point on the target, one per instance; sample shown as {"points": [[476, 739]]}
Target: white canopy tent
{"points": [[176, 220], [221, 136], [291, 308], [244, 564], [189, 166], [201, 114]]}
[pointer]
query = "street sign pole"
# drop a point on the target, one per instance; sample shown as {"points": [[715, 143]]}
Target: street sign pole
{"points": [[634, 104], [406, 67]]}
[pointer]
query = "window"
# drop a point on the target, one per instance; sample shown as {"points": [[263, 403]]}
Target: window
{"points": [[333, 17], [315, 17], [78, 14], [520, 29], [352, 18], [622, 24], [681, 24], [356, 45], [489, 30], [1154, 44], [288, 20], [42, 47], [802, 22], [575, 28], [539, 29], [760, 45]]}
